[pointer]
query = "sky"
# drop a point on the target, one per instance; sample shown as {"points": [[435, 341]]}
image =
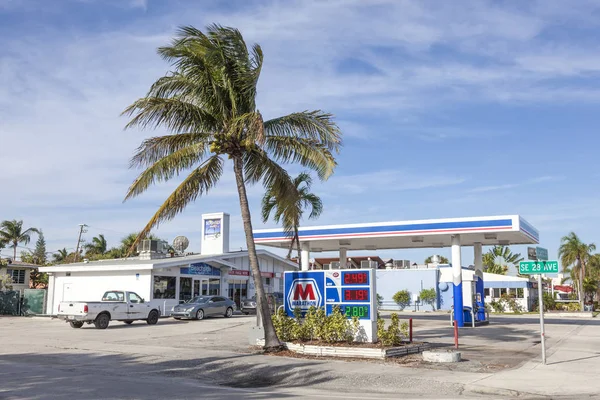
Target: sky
{"points": [[447, 109]]}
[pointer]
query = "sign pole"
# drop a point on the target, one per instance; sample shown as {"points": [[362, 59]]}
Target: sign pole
{"points": [[541, 305]]}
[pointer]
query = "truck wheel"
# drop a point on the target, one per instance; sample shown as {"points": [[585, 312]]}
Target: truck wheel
{"points": [[102, 321], [200, 314], [76, 324], [229, 312], [152, 318], [128, 322]]}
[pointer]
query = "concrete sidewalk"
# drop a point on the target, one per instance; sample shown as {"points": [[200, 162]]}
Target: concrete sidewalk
{"points": [[573, 362]]}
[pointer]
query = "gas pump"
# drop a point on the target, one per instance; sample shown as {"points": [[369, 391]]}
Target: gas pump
{"points": [[478, 300]]}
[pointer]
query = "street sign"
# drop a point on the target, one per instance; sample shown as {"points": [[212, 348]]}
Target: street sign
{"points": [[541, 253], [531, 253], [538, 267]]}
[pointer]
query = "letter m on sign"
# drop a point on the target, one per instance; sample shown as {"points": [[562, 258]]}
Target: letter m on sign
{"points": [[303, 294], [304, 291]]}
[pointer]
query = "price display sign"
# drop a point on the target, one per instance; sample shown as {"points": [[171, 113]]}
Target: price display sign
{"points": [[355, 278], [356, 295]]}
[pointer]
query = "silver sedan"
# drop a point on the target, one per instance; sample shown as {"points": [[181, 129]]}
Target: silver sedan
{"points": [[204, 306]]}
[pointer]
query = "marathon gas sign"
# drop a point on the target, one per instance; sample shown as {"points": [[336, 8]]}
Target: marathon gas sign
{"points": [[303, 290]]}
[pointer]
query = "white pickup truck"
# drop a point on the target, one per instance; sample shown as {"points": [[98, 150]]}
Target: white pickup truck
{"points": [[116, 305]]}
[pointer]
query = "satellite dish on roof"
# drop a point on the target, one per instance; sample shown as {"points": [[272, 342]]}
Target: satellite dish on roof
{"points": [[180, 243]]}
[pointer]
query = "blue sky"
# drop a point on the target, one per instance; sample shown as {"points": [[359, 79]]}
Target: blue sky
{"points": [[448, 109]]}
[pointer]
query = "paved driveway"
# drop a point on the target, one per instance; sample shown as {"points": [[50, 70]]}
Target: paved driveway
{"points": [[210, 359]]}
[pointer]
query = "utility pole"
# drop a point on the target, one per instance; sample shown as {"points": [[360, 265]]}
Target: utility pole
{"points": [[81, 231]]}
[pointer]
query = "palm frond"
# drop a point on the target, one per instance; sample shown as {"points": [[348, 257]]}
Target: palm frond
{"points": [[315, 125], [175, 114], [154, 149], [197, 183], [306, 152]]}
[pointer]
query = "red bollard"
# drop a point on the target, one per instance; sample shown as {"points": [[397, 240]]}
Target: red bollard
{"points": [[455, 334], [410, 330]]}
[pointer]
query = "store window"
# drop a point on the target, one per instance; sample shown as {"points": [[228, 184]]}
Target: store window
{"points": [[213, 286], [496, 293], [281, 285], [164, 287], [486, 292], [512, 292], [520, 293], [185, 289], [18, 276]]}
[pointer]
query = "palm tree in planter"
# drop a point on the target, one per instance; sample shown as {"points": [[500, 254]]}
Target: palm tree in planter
{"points": [[12, 232], [208, 103], [288, 208]]}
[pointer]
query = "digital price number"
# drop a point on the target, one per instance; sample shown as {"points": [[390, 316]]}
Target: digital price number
{"points": [[362, 312], [355, 278], [353, 295]]}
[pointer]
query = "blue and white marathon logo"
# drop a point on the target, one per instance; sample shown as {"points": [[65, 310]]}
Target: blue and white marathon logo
{"points": [[304, 293]]}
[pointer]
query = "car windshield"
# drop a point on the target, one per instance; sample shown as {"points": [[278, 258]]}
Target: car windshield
{"points": [[198, 300]]}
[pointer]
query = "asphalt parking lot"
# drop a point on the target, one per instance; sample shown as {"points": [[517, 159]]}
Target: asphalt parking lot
{"points": [[42, 358]]}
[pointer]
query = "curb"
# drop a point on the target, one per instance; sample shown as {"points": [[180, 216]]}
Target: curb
{"points": [[477, 389]]}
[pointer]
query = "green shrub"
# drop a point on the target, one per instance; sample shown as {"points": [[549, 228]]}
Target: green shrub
{"points": [[402, 298], [428, 296], [573, 307], [497, 306], [395, 332], [316, 326], [511, 303], [549, 303]]}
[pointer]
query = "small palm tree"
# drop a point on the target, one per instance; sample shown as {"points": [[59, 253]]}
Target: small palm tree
{"points": [[289, 206], [129, 242], [97, 247], [574, 256], [498, 259], [60, 256], [208, 103], [12, 232]]}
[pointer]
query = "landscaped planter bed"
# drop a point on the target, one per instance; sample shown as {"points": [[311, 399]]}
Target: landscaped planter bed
{"points": [[353, 350]]}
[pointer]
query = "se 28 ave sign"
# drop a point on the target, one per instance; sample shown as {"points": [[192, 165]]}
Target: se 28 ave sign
{"points": [[538, 267]]}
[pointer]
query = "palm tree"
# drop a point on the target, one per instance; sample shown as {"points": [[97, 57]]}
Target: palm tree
{"points": [[289, 207], [129, 242], [574, 255], [98, 246], [443, 260], [209, 104], [498, 259], [61, 255], [12, 232]]}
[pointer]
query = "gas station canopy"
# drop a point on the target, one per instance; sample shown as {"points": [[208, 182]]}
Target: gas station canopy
{"points": [[432, 233]]}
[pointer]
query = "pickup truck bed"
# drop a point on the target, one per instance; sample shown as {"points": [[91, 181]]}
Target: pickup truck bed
{"points": [[118, 306]]}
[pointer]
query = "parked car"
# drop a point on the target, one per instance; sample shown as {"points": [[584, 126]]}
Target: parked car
{"points": [[204, 306], [116, 305], [275, 300]]}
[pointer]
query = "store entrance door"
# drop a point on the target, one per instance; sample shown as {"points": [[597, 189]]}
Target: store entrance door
{"points": [[200, 287]]}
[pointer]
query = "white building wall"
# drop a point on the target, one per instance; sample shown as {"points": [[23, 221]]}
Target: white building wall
{"points": [[90, 286]]}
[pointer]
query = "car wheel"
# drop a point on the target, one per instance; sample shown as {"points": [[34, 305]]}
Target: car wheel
{"points": [[229, 312], [152, 318], [76, 324], [102, 321], [200, 314], [177, 318], [245, 313], [128, 322]]}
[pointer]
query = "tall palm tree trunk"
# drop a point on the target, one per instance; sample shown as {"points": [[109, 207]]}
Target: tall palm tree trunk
{"points": [[271, 340], [298, 246], [15, 244]]}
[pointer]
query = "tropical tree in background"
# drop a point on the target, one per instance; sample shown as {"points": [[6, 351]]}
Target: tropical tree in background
{"points": [[499, 258], [12, 233], [208, 103], [574, 256], [97, 247], [60, 256], [288, 208], [443, 260], [39, 253]]}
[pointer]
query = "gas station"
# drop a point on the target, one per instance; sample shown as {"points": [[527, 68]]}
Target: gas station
{"points": [[456, 233]]}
